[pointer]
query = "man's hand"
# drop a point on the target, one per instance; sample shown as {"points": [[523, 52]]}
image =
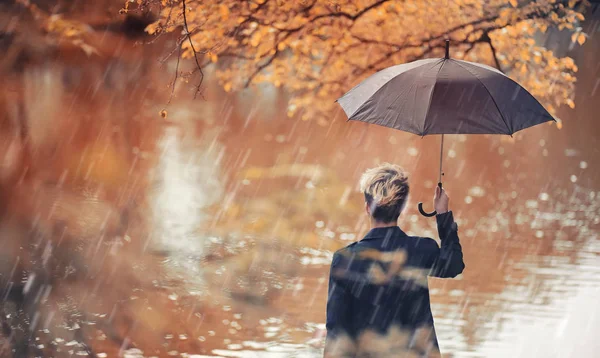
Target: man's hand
{"points": [[440, 200]]}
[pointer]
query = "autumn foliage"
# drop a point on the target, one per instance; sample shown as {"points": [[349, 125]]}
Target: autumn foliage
{"points": [[318, 49]]}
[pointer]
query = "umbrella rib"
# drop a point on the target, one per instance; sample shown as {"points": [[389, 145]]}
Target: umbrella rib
{"points": [[490, 94], [431, 97]]}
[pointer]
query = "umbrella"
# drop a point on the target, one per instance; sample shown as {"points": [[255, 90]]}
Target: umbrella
{"points": [[443, 96]]}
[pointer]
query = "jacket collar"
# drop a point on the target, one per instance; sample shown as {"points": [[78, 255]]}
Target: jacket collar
{"points": [[384, 232]]}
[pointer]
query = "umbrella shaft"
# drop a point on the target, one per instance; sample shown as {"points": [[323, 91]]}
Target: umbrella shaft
{"points": [[441, 156]]}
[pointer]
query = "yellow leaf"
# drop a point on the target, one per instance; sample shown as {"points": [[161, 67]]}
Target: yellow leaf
{"points": [[224, 11], [514, 3], [255, 40], [227, 86], [152, 28], [574, 37], [581, 39], [281, 46], [213, 57], [570, 103], [163, 113], [523, 69]]}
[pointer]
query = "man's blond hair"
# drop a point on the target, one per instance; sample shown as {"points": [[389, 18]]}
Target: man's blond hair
{"points": [[386, 190]]}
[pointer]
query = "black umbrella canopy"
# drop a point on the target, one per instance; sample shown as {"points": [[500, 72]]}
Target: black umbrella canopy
{"points": [[444, 96]]}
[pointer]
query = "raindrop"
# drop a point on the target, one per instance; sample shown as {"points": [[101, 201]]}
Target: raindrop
{"points": [[468, 199], [29, 283], [573, 178], [531, 204], [539, 234], [542, 142], [319, 224], [452, 153], [583, 165], [280, 138], [570, 152], [413, 152], [477, 191], [544, 196]]}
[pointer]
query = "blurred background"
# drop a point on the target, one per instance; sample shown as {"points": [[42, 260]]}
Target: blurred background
{"points": [[150, 205]]}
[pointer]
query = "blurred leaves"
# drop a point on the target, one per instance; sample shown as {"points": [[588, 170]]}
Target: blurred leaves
{"points": [[61, 28]]}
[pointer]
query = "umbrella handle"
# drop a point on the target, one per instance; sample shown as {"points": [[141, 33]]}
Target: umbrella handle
{"points": [[423, 212], [426, 214]]}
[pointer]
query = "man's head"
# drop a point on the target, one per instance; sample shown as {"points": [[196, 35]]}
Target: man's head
{"points": [[386, 192]]}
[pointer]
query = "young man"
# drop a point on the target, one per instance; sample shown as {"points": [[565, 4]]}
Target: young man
{"points": [[378, 304]]}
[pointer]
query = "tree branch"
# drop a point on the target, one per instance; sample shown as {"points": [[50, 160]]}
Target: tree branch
{"points": [[486, 38], [187, 33]]}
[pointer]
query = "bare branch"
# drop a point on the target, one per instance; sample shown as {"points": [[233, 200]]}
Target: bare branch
{"points": [[486, 38], [176, 74], [188, 35]]}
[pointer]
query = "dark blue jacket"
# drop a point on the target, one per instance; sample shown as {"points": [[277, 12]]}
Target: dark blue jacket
{"points": [[378, 301]]}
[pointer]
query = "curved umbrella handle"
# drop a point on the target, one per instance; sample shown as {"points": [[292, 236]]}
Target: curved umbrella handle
{"points": [[433, 213]]}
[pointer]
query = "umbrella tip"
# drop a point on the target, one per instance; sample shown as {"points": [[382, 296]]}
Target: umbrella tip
{"points": [[447, 48]]}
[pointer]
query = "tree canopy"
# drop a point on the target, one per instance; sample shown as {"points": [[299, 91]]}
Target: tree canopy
{"points": [[318, 49]]}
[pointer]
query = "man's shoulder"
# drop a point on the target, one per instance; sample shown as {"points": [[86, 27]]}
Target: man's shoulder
{"points": [[425, 241], [344, 252]]}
